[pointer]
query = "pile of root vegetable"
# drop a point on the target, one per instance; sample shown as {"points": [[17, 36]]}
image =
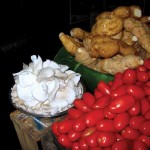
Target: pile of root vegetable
{"points": [[115, 117], [119, 39]]}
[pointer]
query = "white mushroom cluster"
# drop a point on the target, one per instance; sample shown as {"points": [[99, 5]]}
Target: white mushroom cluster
{"points": [[45, 88]]}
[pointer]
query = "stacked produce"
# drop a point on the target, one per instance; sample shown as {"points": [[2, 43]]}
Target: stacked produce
{"points": [[119, 39], [116, 116]]}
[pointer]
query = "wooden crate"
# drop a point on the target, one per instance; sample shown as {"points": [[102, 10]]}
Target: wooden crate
{"points": [[34, 133]]}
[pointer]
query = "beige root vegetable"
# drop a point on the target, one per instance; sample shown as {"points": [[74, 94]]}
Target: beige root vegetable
{"points": [[140, 30], [112, 65], [136, 11]]}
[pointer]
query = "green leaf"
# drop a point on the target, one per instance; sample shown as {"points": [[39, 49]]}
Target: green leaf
{"points": [[89, 77]]}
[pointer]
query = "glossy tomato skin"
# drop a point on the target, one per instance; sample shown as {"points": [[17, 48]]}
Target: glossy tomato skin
{"points": [[130, 133], [88, 131], [145, 128], [64, 141], [121, 121], [105, 125], [117, 82], [139, 145], [54, 128], [82, 144], [106, 139], [147, 115], [142, 76], [75, 146], [120, 145], [73, 135], [145, 139], [65, 126], [145, 105], [135, 122], [104, 87], [92, 117], [108, 114], [129, 76], [74, 113], [97, 93], [121, 103]]}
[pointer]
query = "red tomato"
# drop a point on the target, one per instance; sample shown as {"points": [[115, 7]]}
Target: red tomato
{"points": [[75, 146], [135, 91], [119, 91], [88, 131], [121, 104], [91, 118], [147, 115], [116, 83], [120, 145], [108, 114], [119, 136], [105, 125], [101, 102], [54, 128], [119, 75], [78, 124], [121, 121], [141, 68], [73, 135], [65, 126], [145, 139], [146, 90], [139, 145], [74, 113], [82, 144], [130, 133], [88, 98], [129, 76], [96, 148], [97, 93], [81, 105], [64, 141], [145, 128], [91, 140], [104, 87], [106, 139], [135, 110], [135, 122], [145, 105], [147, 63], [142, 76]]}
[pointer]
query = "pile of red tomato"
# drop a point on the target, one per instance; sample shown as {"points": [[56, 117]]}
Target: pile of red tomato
{"points": [[115, 117]]}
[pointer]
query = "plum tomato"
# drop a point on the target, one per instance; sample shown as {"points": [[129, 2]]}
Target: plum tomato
{"points": [[88, 131], [130, 133], [145, 139], [91, 118], [74, 113], [108, 114], [129, 76], [145, 105], [97, 93], [106, 139], [75, 146], [121, 120], [145, 128], [121, 103], [147, 115], [120, 145], [139, 145], [83, 144], [116, 83], [142, 76], [64, 141], [73, 135], [54, 128], [104, 87]]}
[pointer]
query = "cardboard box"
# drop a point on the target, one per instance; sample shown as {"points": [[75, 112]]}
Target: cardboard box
{"points": [[34, 133]]}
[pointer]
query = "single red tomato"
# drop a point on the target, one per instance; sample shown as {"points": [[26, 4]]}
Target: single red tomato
{"points": [[108, 114], [82, 144], [119, 136], [74, 135], [145, 139], [104, 87], [141, 68], [88, 98], [129, 76], [64, 141], [145, 128], [74, 113], [142, 76], [106, 139], [91, 140], [75, 146], [119, 91], [130, 133], [121, 121], [135, 91], [101, 102], [120, 145], [81, 105], [54, 128], [121, 103], [116, 83], [91, 118], [88, 131], [79, 124], [105, 125], [145, 105], [139, 145], [135, 121], [135, 110], [97, 93]]}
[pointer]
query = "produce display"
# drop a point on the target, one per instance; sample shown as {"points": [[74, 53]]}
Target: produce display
{"points": [[45, 88], [119, 39], [115, 116]]}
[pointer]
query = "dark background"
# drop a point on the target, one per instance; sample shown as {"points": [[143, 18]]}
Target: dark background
{"points": [[31, 27]]}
